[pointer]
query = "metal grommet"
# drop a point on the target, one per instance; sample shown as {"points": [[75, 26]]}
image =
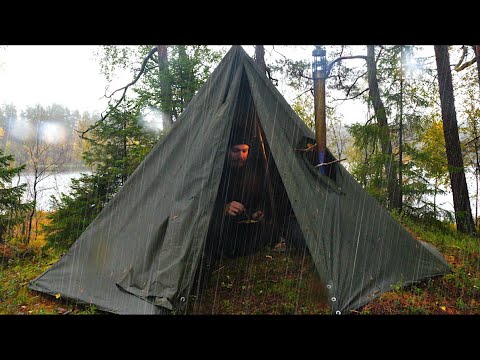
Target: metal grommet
{"points": [[333, 298], [329, 286], [182, 299], [338, 312]]}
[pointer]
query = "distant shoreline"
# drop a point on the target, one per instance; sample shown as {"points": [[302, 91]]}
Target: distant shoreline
{"points": [[63, 169]]}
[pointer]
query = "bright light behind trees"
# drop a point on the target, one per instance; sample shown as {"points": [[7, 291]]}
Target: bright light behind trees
{"points": [[53, 133], [152, 118]]}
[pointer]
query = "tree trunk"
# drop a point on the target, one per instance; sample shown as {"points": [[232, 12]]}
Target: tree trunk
{"points": [[260, 57], [477, 171], [183, 91], [461, 201], [400, 134], [477, 54], [381, 116], [124, 140], [165, 86], [476, 198], [34, 209]]}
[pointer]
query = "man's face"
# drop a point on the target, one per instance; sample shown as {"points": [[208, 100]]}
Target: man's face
{"points": [[238, 155]]}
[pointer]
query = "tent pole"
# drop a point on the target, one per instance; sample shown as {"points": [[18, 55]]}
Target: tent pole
{"points": [[319, 75]]}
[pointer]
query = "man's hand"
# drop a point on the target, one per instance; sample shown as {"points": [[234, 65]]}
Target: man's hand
{"points": [[234, 208], [258, 215]]}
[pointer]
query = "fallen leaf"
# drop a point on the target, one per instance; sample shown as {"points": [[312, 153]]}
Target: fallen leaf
{"points": [[57, 296], [269, 257], [444, 308]]}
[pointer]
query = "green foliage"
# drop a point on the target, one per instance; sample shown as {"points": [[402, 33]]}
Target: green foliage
{"points": [[406, 84], [296, 73], [303, 107], [12, 208], [409, 100], [433, 157], [169, 89], [367, 160], [8, 115], [188, 68], [469, 115], [16, 298], [118, 145], [73, 212], [425, 175], [88, 310], [112, 58]]}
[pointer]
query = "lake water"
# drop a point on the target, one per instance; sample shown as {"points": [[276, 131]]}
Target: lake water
{"points": [[53, 184]]}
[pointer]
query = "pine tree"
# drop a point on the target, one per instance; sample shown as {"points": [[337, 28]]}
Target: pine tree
{"points": [[12, 209], [117, 147]]}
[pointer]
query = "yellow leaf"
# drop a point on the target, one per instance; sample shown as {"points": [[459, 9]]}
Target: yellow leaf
{"points": [[444, 308], [57, 296]]}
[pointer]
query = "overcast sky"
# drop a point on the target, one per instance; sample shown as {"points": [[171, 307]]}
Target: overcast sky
{"points": [[65, 75]]}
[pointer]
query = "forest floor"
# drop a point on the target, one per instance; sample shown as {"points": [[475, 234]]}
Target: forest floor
{"points": [[272, 282]]}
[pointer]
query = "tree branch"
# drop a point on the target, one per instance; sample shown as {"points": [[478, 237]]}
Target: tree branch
{"points": [[124, 88], [474, 139], [354, 97], [330, 162], [310, 89], [462, 58], [329, 67], [353, 84], [461, 64], [466, 64]]}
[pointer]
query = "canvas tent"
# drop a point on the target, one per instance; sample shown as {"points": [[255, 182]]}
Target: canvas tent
{"points": [[141, 253]]}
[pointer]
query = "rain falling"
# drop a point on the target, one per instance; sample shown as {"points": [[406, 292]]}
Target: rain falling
{"points": [[201, 190]]}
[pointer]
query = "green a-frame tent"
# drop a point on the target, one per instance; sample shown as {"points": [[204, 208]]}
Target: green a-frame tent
{"points": [[140, 255]]}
